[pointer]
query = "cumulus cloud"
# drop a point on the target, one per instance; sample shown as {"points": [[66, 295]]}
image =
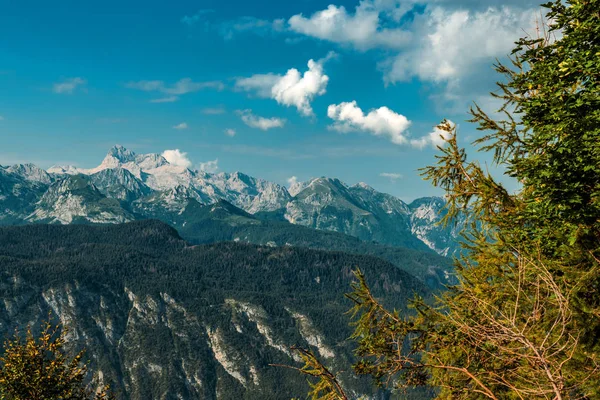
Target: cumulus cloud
{"points": [[230, 132], [177, 157], [379, 122], [392, 176], [255, 121], [362, 29], [436, 138], [181, 87], [181, 126], [209, 166], [292, 181], [294, 89], [452, 44], [68, 86]]}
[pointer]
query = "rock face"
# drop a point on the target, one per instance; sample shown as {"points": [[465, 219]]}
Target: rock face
{"points": [[426, 213], [137, 186], [164, 320], [77, 199]]}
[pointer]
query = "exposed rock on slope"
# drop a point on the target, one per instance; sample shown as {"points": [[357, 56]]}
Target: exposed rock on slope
{"points": [[163, 320]]}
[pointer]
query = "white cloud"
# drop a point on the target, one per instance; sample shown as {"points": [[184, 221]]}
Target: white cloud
{"points": [[170, 99], [392, 176], [209, 166], [255, 121], [230, 132], [362, 29], [450, 43], [292, 89], [181, 87], [379, 122], [454, 44], [177, 157], [260, 84], [292, 181], [181, 126], [68, 86], [435, 138]]}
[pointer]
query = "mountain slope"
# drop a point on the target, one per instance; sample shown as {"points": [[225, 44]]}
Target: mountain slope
{"points": [[18, 194], [162, 319], [360, 211], [224, 222], [75, 199]]}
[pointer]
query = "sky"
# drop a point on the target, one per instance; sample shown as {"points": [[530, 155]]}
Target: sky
{"points": [[280, 90]]}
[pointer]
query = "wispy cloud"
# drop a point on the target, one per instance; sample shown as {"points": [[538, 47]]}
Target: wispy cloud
{"points": [[435, 138], [349, 117], [392, 176], [255, 121], [229, 28], [181, 87], [69, 85], [230, 132], [170, 99], [213, 111], [209, 166], [292, 89], [181, 126], [191, 20]]}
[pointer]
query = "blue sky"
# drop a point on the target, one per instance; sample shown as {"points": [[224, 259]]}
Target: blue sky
{"points": [[229, 80]]}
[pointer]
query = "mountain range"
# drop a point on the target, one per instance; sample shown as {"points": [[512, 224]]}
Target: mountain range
{"points": [[188, 284], [128, 186]]}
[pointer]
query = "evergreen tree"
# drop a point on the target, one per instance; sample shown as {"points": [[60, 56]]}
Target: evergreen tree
{"points": [[39, 369], [524, 320]]}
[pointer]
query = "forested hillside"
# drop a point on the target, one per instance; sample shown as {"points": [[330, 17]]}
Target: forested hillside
{"points": [[161, 318]]}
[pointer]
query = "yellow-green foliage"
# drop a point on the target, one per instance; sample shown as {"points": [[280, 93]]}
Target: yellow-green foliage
{"points": [[38, 369], [524, 320]]}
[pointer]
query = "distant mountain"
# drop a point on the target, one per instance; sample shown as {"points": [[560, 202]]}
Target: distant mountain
{"points": [[138, 186], [76, 199], [425, 215], [161, 319]]}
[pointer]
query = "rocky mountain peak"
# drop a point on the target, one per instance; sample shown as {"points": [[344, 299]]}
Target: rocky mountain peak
{"points": [[30, 172], [364, 186], [121, 153]]}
